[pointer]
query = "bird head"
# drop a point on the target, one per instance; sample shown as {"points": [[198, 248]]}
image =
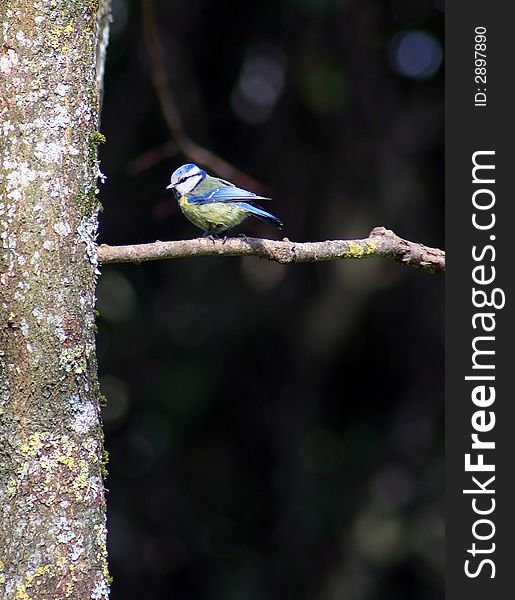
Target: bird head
{"points": [[185, 179]]}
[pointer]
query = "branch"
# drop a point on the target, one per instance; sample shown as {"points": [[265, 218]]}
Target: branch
{"points": [[151, 157], [171, 113], [381, 242]]}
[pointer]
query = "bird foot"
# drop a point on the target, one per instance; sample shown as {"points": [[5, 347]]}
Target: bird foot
{"points": [[215, 236], [209, 234]]}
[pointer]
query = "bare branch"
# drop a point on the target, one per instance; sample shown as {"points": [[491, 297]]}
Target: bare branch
{"points": [[151, 157], [171, 113], [381, 242]]}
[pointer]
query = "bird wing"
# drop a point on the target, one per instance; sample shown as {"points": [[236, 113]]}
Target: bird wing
{"points": [[226, 193]]}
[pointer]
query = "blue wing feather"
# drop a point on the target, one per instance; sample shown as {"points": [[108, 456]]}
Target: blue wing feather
{"points": [[226, 193], [261, 214]]}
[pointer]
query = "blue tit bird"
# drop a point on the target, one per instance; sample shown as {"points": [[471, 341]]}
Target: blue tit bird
{"points": [[215, 205]]}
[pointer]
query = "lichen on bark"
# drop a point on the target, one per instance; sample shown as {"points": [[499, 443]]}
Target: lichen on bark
{"points": [[52, 522]]}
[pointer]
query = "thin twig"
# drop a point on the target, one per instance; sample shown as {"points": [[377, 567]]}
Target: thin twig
{"points": [[381, 242], [172, 115], [151, 157]]}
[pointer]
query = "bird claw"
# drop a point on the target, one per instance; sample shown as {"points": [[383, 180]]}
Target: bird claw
{"points": [[215, 236], [210, 235]]}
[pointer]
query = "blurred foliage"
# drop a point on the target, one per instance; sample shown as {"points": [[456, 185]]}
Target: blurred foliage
{"points": [[277, 432]]}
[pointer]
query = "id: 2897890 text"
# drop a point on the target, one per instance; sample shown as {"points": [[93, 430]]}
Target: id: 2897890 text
{"points": [[480, 66]]}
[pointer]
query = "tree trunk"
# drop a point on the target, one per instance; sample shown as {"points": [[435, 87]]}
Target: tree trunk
{"points": [[52, 516]]}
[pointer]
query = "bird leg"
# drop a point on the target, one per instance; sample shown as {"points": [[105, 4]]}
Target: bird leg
{"points": [[215, 236], [211, 235]]}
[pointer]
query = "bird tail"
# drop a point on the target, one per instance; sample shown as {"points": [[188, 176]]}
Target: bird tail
{"points": [[261, 214]]}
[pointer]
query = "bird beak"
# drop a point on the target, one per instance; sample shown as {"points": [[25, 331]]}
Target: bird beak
{"points": [[169, 187]]}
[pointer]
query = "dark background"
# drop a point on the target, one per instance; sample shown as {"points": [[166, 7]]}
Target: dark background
{"points": [[277, 431]]}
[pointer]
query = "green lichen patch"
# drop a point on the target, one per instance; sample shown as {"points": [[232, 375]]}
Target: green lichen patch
{"points": [[33, 579], [95, 140], [93, 5], [104, 461], [358, 250], [88, 204], [371, 247], [75, 359]]}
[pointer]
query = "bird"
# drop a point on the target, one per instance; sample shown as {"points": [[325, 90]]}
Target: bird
{"points": [[215, 205]]}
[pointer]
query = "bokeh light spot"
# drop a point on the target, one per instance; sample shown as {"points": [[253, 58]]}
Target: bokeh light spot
{"points": [[324, 85], [378, 536], [120, 14], [260, 84], [116, 296], [262, 275], [116, 392], [415, 54]]}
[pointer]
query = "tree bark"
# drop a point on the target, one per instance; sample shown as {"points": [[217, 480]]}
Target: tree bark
{"points": [[52, 517]]}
